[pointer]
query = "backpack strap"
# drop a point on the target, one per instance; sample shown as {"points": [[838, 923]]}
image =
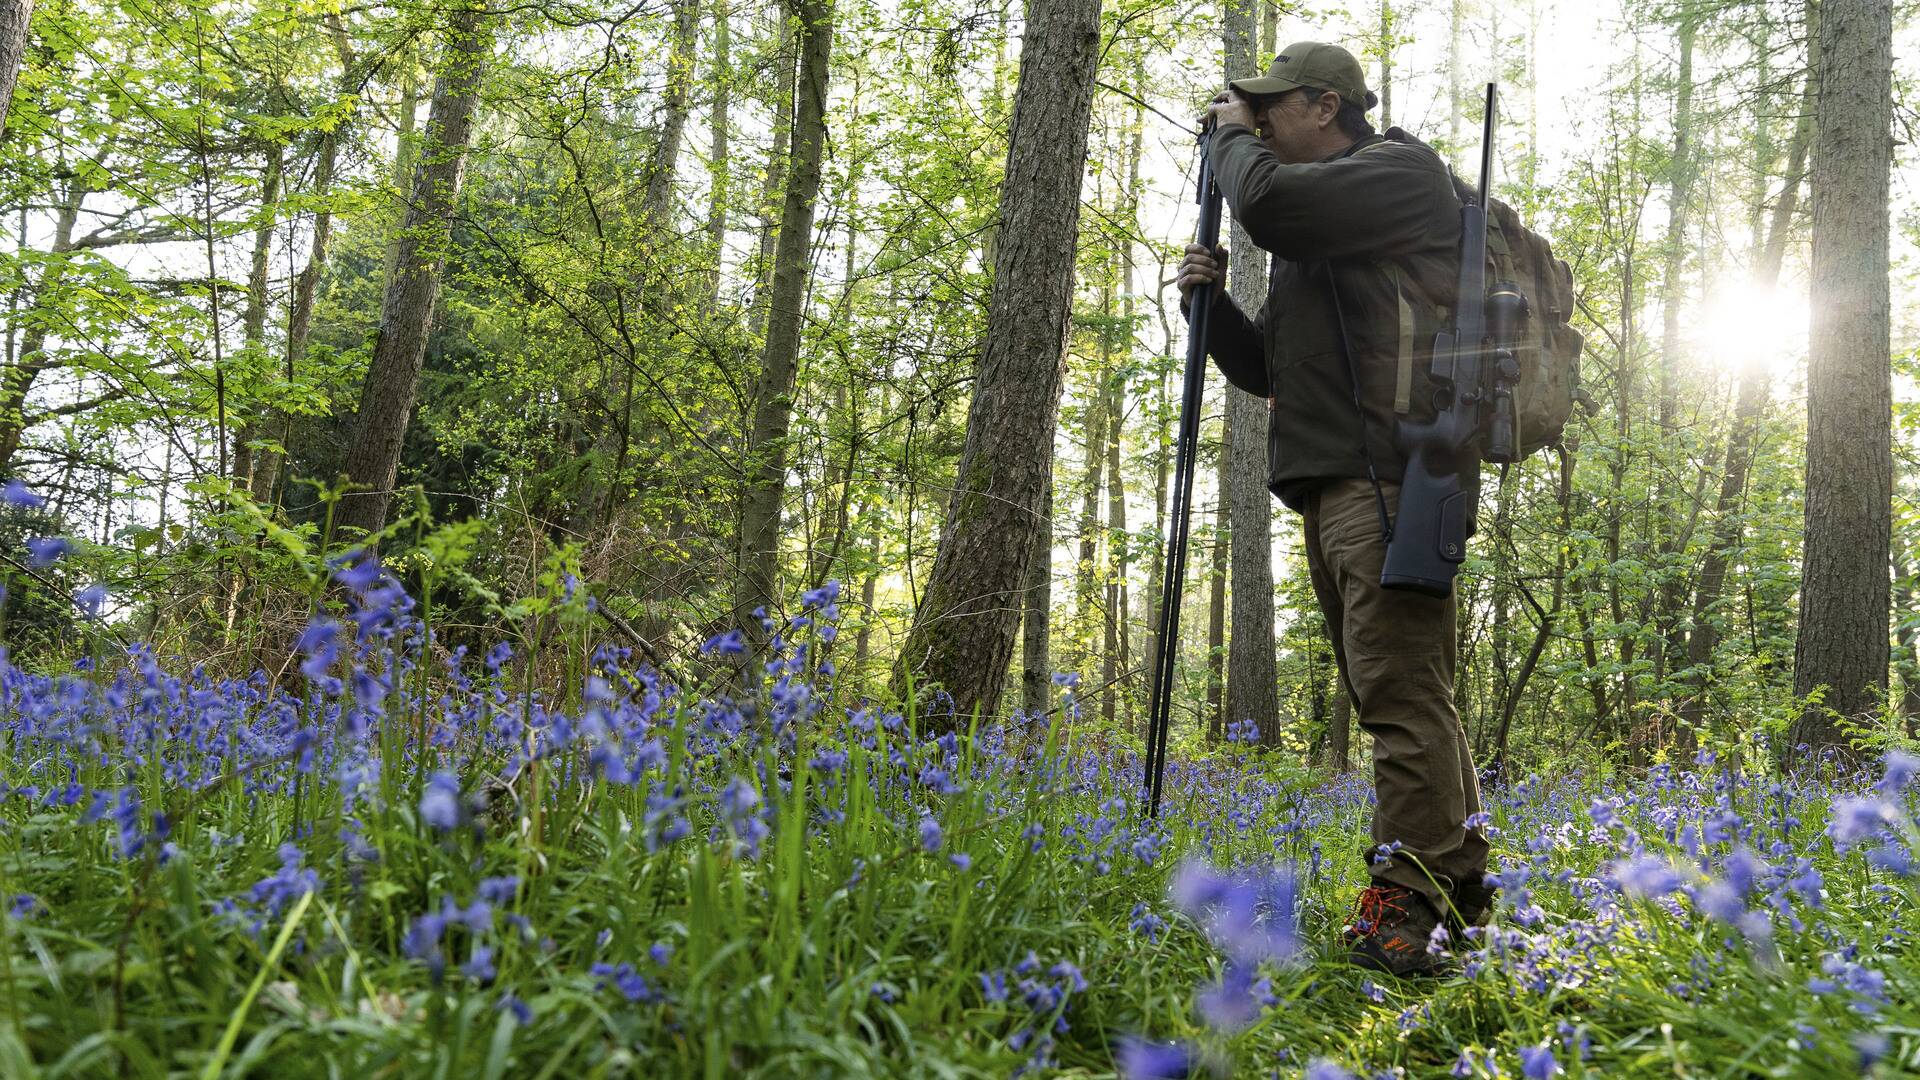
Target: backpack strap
{"points": [[1403, 375]]}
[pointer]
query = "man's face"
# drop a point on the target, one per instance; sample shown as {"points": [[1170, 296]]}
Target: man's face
{"points": [[1289, 124]]}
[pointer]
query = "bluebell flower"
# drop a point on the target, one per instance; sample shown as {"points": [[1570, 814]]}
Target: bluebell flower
{"points": [[319, 642], [46, 550], [522, 1012], [993, 985], [498, 890], [929, 834], [17, 494], [1138, 1059], [731, 643], [440, 804], [1648, 876], [1900, 769], [89, 599], [660, 952], [1855, 819], [1323, 1069], [1537, 1062], [479, 966]]}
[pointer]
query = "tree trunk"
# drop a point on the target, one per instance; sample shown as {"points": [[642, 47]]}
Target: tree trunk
{"points": [[1086, 578], [777, 163], [1845, 591], [413, 285], [1672, 489], [1217, 586], [720, 178], [1252, 684], [773, 404], [253, 317], [656, 205], [1769, 251], [267, 462], [1456, 75], [962, 636], [1386, 85], [1340, 729], [15, 17], [1035, 667], [17, 381]]}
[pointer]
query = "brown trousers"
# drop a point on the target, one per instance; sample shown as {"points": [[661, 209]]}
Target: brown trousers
{"points": [[1395, 650]]}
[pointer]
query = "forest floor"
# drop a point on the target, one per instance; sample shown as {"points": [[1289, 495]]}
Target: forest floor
{"points": [[388, 865]]}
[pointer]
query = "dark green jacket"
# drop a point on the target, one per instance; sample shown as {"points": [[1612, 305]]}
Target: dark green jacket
{"points": [[1383, 214]]}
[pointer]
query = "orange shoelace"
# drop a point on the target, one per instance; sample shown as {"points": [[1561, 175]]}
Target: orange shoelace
{"points": [[1374, 907]]}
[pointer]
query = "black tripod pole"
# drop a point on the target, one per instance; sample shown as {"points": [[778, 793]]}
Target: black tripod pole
{"points": [[1167, 646]]}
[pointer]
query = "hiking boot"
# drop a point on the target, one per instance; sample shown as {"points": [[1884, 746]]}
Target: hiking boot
{"points": [[1472, 902], [1391, 930]]}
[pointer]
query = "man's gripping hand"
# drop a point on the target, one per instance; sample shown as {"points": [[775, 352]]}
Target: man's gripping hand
{"points": [[1229, 108], [1200, 268]]}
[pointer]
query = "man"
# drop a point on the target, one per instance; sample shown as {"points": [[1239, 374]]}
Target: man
{"points": [[1343, 209]]}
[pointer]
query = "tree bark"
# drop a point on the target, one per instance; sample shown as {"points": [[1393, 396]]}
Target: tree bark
{"points": [[773, 404], [1217, 584], [253, 316], [777, 164], [1845, 592], [17, 381], [1035, 667], [15, 17], [1252, 683], [962, 636], [656, 204], [413, 285]]}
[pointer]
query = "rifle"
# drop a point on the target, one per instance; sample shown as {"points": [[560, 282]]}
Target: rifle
{"points": [[1473, 375], [1166, 645]]}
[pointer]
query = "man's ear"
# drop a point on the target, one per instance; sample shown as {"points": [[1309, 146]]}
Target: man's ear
{"points": [[1328, 110]]}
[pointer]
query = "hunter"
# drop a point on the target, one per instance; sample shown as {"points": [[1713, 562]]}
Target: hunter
{"points": [[1342, 208]]}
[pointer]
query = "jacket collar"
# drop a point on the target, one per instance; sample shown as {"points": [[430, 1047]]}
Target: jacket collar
{"points": [[1356, 146]]}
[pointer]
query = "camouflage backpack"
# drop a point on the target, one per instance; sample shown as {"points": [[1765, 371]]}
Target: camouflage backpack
{"points": [[1548, 350]]}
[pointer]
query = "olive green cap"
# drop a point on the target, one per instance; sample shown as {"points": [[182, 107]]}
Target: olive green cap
{"points": [[1311, 63]]}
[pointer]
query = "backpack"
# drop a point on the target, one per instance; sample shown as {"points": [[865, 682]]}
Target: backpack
{"points": [[1548, 350]]}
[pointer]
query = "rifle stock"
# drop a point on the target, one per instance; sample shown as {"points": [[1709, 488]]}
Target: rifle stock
{"points": [[1438, 491]]}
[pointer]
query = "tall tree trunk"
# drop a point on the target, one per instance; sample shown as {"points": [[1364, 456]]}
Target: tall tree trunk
{"points": [[656, 205], [1672, 488], [413, 285], [1217, 584], [1340, 730], [720, 176], [33, 358], [782, 102], [962, 636], [15, 17], [1386, 84], [1845, 590], [253, 317], [1035, 667], [1252, 683], [1769, 252], [1086, 576], [773, 405], [267, 462], [1456, 75]]}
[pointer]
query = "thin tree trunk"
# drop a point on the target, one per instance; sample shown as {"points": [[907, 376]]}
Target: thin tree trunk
{"points": [[33, 357], [1035, 666], [777, 164], [656, 205], [1671, 489], [1842, 647], [15, 17], [253, 317], [1086, 577], [1217, 586], [1386, 86], [266, 471], [413, 286], [1749, 412], [1252, 683], [773, 405], [962, 637], [720, 178]]}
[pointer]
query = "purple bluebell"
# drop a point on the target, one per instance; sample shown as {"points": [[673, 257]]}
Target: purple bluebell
{"points": [[43, 551], [440, 804], [1138, 1059], [17, 494]]}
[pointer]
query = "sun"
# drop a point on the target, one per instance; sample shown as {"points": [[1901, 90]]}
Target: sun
{"points": [[1746, 328]]}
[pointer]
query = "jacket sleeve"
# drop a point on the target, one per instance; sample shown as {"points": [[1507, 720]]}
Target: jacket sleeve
{"points": [[1236, 343], [1375, 203]]}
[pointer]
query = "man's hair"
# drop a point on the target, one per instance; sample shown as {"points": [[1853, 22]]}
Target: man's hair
{"points": [[1351, 119]]}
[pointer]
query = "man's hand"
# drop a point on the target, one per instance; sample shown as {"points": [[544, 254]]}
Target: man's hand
{"points": [[1230, 108], [1200, 268]]}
